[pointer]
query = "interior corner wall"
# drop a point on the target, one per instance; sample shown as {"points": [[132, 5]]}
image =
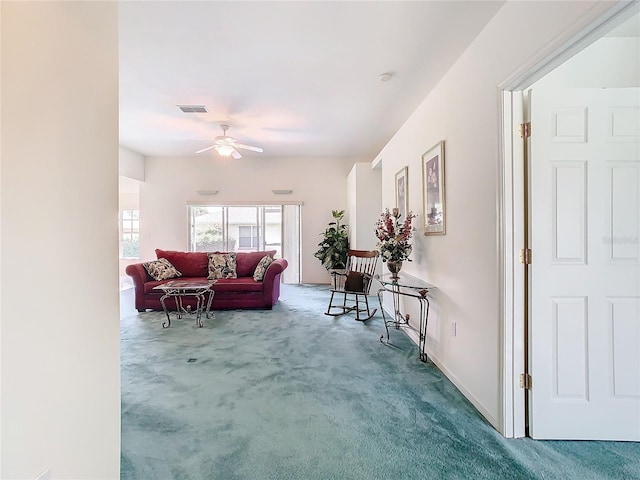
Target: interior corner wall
{"points": [[320, 184], [59, 271], [364, 205], [463, 110], [130, 163]]}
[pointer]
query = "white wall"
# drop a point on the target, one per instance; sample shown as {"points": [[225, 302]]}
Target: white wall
{"points": [[129, 201], [170, 183], [610, 62], [59, 321], [364, 205], [1, 235], [463, 110], [130, 163]]}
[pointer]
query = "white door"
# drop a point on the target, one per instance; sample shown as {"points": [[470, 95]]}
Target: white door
{"points": [[585, 271]]}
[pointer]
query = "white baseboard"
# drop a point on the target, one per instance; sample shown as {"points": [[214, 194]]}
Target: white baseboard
{"points": [[413, 335], [469, 396]]}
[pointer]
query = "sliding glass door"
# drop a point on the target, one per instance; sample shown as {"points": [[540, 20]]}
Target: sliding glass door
{"points": [[248, 228]]}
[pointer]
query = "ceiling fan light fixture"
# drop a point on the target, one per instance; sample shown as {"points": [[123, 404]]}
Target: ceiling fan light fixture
{"points": [[228, 146], [225, 150]]}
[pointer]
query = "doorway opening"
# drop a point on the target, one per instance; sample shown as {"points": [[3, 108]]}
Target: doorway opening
{"points": [[516, 308]]}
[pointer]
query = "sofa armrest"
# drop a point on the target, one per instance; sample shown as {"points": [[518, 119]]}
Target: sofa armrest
{"points": [[139, 275], [275, 268], [271, 280]]}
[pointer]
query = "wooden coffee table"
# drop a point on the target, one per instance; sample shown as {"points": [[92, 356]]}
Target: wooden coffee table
{"points": [[179, 289]]}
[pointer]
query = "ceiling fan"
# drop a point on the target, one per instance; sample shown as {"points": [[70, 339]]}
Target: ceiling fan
{"points": [[226, 146]]}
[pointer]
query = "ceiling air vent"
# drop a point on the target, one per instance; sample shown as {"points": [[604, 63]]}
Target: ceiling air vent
{"points": [[193, 108]]}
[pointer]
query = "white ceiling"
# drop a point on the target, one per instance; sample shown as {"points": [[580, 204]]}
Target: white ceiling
{"points": [[300, 79]]}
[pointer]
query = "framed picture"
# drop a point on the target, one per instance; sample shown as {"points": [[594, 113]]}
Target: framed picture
{"points": [[402, 197], [433, 190]]}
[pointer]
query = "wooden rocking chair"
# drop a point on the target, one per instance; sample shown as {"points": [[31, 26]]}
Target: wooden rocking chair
{"points": [[354, 285]]}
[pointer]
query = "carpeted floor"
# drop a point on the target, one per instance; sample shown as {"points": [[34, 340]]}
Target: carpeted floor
{"points": [[294, 394]]}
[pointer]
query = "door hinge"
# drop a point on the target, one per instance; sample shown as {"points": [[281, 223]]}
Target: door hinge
{"points": [[525, 130], [525, 381], [525, 256]]}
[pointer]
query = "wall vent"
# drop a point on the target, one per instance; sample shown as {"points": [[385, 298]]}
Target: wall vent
{"points": [[193, 108]]}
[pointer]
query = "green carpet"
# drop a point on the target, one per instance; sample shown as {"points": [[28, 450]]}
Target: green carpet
{"points": [[294, 394]]}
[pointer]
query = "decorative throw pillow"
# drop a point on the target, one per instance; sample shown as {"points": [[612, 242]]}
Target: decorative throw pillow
{"points": [[161, 269], [222, 265], [354, 282], [261, 268]]}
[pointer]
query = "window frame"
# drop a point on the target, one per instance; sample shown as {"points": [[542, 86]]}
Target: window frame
{"points": [[129, 232]]}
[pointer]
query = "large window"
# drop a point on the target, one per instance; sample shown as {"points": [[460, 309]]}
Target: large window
{"points": [[130, 239], [233, 228], [247, 237]]}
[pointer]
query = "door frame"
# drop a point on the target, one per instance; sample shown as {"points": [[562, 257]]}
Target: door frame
{"points": [[511, 193]]}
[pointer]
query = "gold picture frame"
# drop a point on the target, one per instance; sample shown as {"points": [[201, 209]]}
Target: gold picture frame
{"points": [[433, 196], [402, 192]]}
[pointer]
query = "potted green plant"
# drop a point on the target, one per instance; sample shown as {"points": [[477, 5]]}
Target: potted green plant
{"points": [[333, 248]]}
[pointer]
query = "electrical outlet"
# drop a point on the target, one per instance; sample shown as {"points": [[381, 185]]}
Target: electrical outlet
{"points": [[453, 329]]}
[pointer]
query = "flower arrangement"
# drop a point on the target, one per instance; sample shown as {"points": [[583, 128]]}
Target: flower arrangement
{"points": [[393, 235]]}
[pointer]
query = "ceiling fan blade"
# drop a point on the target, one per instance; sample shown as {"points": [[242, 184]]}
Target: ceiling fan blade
{"points": [[205, 149], [235, 154], [249, 147]]}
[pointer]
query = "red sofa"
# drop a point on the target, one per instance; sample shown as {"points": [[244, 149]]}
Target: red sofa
{"points": [[230, 293]]}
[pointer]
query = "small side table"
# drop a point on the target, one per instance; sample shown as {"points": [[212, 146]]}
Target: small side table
{"points": [[406, 286], [178, 289]]}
